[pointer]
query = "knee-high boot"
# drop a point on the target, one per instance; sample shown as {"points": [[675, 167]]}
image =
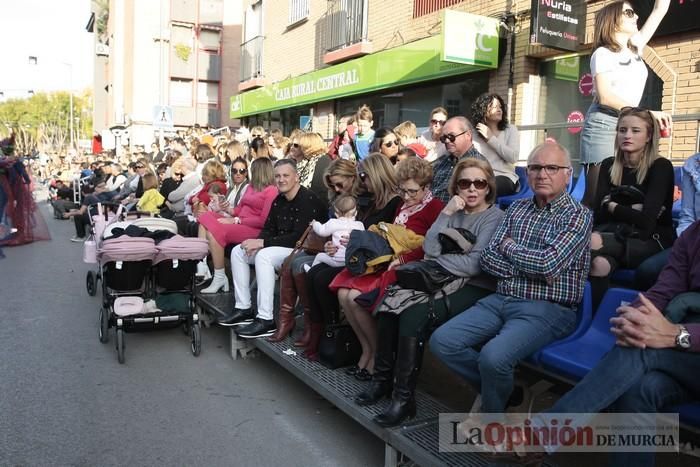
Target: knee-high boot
{"points": [[403, 403], [382, 379], [288, 299], [302, 291], [311, 350]]}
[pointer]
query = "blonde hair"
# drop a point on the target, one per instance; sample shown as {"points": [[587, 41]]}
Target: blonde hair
{"points": [[364, 113], [262, 174], [651, 149], [344, 204], [235, 150], [416, 169], [406, 129], [482, 165], [214, 170], [380, 178], [311, 145]]}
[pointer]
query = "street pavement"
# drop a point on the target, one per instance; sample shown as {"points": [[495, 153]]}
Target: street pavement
{"points": [[65, 400]]}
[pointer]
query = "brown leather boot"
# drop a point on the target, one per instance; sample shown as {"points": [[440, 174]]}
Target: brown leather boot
{"points": [[300, 282], [288, 299], [311, 351]]}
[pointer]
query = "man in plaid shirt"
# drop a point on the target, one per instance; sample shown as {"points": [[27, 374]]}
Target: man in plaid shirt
{"points": [[540, 255]]}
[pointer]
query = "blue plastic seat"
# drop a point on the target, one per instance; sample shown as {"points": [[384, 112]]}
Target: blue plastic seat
{"points": [[579, 188], [584, 314], [624, 277], [689, 414], [575, 358], [524, 190]]}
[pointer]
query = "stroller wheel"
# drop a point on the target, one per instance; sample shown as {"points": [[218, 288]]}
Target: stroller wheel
{"points": [[120, 345], [196, 339], [104, 325], [91, 283]]}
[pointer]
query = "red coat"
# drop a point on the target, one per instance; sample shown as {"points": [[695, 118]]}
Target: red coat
{"points": [[418, 223], [203, 195]]}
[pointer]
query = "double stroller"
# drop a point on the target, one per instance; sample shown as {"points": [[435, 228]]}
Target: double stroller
{"points": [[147, 273]]}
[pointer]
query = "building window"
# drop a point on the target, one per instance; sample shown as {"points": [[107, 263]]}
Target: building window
{"points": [[208, 93], [423, 7], [298, 11], [209, 40], [181, 92]]}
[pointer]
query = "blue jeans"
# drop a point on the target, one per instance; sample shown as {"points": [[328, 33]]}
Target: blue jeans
{"points": [[635, 381], [597, 136], [510, 329]]}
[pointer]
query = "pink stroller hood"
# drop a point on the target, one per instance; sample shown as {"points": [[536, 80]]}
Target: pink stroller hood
{"points": [[182, 248], [127, 248]]}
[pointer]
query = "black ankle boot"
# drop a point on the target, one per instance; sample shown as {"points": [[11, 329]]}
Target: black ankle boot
{"points": [[403, 403], [380, 386]]}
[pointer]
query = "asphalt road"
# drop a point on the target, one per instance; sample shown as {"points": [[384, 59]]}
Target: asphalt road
{"points": [[64, 399]]}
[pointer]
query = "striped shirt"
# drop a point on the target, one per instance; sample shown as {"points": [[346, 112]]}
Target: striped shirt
{"points": [[442, 171], [549, 257]]}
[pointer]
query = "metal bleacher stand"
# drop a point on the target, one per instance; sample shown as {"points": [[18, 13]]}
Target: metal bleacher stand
{"points": [[417, 439]]}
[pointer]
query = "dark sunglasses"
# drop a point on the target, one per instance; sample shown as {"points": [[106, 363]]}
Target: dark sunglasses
{"points": [[437, 122], [389, 144], [629, 12], [239, 171], [139, 167], [451, 137], [294, 145], [465, 183], [178, 174]]}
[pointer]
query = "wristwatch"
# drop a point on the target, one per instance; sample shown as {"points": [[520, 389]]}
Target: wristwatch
{"points": [[683, 338]]}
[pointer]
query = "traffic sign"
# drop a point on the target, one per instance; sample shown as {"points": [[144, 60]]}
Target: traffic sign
{"points": [[162, 116]]}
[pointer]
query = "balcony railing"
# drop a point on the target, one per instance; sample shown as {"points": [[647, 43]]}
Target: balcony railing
{"points": [[347, 23], [251, 59]]}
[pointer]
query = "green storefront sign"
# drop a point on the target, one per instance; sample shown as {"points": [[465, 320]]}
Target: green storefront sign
{"points": [[407, 64]]}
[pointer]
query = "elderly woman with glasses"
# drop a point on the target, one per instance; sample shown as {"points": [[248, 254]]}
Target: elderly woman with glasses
{"points": [[632, 216], [403, 330], [416, 213], [310, 153], [619, 77]]}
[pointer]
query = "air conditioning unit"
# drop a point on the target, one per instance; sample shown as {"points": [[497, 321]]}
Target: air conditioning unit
{"points": [[102, 49]]}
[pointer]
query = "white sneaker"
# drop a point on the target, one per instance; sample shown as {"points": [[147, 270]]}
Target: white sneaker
{"points": [[77, 239]]}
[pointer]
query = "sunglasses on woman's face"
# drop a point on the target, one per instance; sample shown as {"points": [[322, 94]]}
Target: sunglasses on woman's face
{"points": [[389, 144], [139, 167], [629, 12], [178, 174], [295, 145], [465, 183], [437, 122], [239, 171]]}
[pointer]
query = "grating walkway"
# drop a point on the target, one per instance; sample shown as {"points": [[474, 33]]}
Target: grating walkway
{"points": [[416, 440]]}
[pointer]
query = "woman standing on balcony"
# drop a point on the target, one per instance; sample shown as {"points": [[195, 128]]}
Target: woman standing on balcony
{"points": [[619, 78]]}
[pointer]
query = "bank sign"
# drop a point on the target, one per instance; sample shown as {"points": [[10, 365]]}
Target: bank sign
{"points": [[559, 24], [407, 64], [469, 39]]}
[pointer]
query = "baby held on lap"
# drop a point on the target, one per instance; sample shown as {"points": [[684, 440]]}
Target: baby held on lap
{"points": [[345, 207]]}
